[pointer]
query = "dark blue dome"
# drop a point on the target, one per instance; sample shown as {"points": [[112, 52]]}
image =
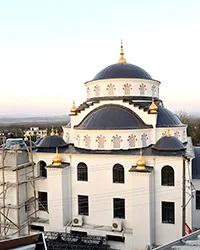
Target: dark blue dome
{"points": [[125, 70], [168, 143], [38, 140], [166, 118], [111, 117], [52, 142], [32, 144]]}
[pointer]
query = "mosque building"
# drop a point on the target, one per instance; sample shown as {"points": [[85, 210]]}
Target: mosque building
{"points": [[118, 169]]}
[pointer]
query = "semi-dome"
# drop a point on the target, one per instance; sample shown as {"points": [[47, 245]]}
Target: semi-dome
{"points": [[169, 143], [166, 118], [125, 70], [112, 117], [52, 142]]}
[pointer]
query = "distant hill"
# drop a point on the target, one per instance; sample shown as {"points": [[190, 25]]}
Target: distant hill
{"points": [[33, 119]]}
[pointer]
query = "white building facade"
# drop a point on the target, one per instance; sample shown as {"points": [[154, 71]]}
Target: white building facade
{"points": [[119, 167]]}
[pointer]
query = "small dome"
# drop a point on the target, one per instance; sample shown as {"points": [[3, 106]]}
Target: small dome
{"points": [[52, 142], [166, 118], [125, 70], [112, 117], [168, 143]]}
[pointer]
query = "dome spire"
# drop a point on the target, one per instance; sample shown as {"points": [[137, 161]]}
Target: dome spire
{"points": [[73, 110], [25, 138], [121, 59], [56, 132], [168, 133], [57, 160], [140, 163], [52, 132]]}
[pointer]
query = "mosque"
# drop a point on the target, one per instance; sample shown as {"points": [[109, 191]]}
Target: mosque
{"points": [[118, 169]]}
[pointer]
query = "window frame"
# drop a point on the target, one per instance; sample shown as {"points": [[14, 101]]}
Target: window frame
{"points": [[83, 205], [42, 169], [27, 207], [168, 216], [167, 176], [197, 200], [118, 174], [82, 172], [42, 201], [119, 212]]}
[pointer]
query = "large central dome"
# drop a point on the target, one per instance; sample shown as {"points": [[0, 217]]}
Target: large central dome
{"points": [[122, 70], [125, 70]]}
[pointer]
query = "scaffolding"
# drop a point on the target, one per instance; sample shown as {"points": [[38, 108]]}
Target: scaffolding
{"points": [[18, 201]]}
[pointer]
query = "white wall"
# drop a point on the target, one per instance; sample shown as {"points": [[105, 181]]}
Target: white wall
{"points": [[168, 232], [119, 85], [108, 135], [143, 214], [101, 189], [179, 132]]}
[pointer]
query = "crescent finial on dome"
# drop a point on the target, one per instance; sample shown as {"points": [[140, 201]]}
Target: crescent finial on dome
{"points": [[121, 59]]}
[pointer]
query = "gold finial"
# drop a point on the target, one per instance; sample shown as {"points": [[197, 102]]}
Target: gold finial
{"points": [[25, 138], [153, 107], [56, 132], [45, 135], [57, 160], [140, 163], [121, 59], [73, 110], [52, 132], [168, 133]]}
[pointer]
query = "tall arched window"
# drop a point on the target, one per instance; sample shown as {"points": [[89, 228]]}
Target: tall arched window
{"points": [[118, 173], [82, 172], [167, 176], [43, 171]]}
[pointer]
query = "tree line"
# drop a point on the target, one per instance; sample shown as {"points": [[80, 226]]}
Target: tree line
{"points": [[193, 128]]}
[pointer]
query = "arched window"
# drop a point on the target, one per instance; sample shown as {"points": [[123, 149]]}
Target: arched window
{"points": [[43, 171], [118, 173], [82, 172], [167, 176]]}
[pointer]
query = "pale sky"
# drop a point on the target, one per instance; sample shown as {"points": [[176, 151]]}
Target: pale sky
{"points": [[50, 48]]}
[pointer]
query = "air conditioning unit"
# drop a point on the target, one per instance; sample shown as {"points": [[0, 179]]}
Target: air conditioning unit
{"points": [[77, 221], [117, 225]]}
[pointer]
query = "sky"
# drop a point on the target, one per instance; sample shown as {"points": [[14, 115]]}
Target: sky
{"points": [[50, 48]]}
